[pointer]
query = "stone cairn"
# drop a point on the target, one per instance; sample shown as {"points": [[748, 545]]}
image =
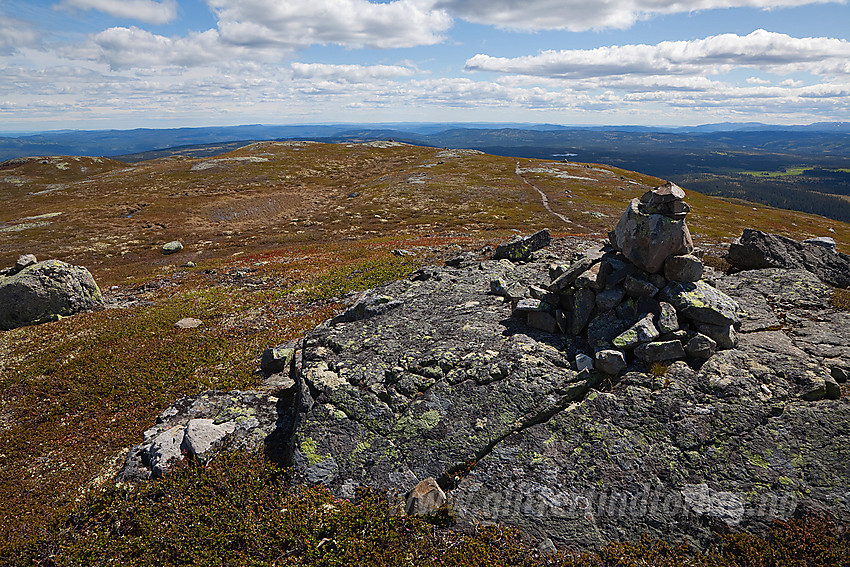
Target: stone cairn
{"points": [[639, 297]]}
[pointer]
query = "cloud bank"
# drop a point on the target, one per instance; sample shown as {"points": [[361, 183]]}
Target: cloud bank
{"points": [[580, 15], [148, 11], [769, 51]]}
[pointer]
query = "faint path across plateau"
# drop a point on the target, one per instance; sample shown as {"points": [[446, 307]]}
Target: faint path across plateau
{"points": [[543, 197]]}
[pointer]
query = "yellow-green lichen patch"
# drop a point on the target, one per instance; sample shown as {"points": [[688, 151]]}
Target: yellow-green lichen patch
{"points": [[308, 448]]}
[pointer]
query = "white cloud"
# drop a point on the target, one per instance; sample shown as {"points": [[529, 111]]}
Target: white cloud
{"points": [[348, 73], [15, 34], [148, 11], [581, 15], [351, 23], [760, 49], [266, 30], [124, 48], [757, 81]]}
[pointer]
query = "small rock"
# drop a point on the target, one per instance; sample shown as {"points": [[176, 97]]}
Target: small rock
{"points": [[570, 275], [563, 320], [543, 321], [658, 351], [189, 264], [556, 270], [602, 329], [685, 268], [165, 450], [667, 321], [667, 193], [641, 332], [610, 361], [590, 278], [609, 299], [425, 498], [581, 305], [617, 276], [403, 253], [277, 358], [456, 261], [583, 362], [172, 247], [814, 388], [188, 323], [25, 260], [544, 295], [833, 390], [529, 305], [547, 547], [657, 280], [724, 335], [202, 434], [639, 287], [701, 346], [499, 287], [701, 302]]}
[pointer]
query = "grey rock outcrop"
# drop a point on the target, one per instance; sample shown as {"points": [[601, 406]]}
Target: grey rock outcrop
{"points": [[755, 250], [45, 291], [521, 247], [494, 411], [197, 426], [449, 392]]}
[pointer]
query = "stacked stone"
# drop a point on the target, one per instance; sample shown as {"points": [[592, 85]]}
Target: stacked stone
{"points": [[641, 297]]}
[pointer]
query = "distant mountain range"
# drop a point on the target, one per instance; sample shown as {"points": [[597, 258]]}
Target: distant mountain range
{"points": [[811, 138]]}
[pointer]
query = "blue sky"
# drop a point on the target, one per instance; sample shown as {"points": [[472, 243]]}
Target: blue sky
{"points": [[94, 64]]}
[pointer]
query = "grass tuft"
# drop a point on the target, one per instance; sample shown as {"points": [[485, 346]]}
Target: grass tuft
{"points": [[840, 299]]}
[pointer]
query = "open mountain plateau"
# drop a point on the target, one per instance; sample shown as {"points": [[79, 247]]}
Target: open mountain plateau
{"points": [[430, 376]]}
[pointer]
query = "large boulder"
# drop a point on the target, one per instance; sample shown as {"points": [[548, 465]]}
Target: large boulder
{"points": [[648, 239], [46, 290], [756, 250]]}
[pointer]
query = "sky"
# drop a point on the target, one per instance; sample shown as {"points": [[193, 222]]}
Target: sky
{"points": [[117, 64]]}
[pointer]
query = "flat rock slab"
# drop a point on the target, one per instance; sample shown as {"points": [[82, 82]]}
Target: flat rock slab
{"points": [[429, 386]]}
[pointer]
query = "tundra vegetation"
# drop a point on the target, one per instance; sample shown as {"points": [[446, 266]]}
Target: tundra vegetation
{"points": [[280, 234]]}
